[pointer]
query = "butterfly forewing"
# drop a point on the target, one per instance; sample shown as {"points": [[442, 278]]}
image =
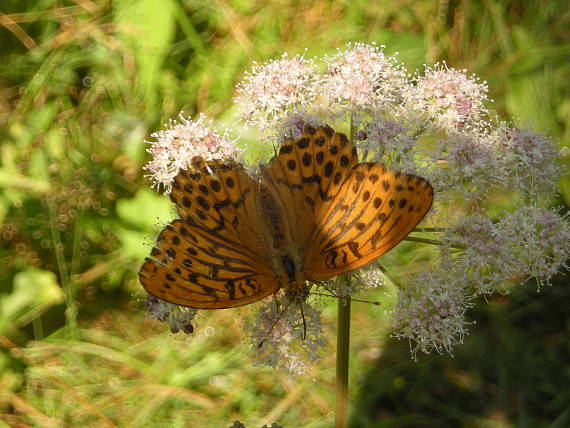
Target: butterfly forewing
{"points": [[307, 172], [371, 213], [223, 199]]}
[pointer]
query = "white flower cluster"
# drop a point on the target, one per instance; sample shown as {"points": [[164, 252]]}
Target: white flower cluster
{"points": [[477, 253], [175, 147], [360, 77], [275, 329], [479, 256], [529, 242], [539, 241], [447, 97], [276, 89], [528, 160], [434, 124], [430, 311]]}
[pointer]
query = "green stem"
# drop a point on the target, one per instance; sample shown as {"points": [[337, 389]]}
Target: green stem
{"points": [[342, 348], [343, 344], [71, 305], [423, 240], [388, 275], [430, 229]]}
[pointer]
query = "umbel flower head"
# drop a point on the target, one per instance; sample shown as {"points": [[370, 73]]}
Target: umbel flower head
{"points": [[180, 142], [434, 124]]}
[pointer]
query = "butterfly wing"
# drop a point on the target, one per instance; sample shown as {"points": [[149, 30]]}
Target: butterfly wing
{"points": [[306, 173], [192, 267], [216, 255], [373, 211], [222, 198], [338, 215]]}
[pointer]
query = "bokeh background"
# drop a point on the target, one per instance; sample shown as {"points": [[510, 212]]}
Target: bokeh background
{"points": [[83, 83]]}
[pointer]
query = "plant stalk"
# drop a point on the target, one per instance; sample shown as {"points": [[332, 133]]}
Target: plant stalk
{"points": [[342, 348], [343, 344]]}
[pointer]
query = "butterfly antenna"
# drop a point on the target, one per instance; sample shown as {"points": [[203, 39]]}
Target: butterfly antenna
{"points": [[260, 344]]}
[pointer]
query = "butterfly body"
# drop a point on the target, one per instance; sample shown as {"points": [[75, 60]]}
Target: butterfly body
{"points": [[314, 213]]}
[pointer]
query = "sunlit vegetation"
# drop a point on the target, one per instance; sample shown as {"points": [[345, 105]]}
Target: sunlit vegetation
{"points": [[84, 83]]}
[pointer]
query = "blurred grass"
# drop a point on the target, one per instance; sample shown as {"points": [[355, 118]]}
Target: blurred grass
{"points": [[83, 83]]}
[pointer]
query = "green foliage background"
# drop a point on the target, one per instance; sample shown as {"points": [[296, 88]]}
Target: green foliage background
{"points": [[84, 82]]}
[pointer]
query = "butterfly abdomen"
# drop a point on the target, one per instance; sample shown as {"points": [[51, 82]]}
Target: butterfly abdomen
{"points": [[287, 264]]}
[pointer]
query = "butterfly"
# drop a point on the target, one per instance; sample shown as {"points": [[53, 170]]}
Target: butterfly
{"points": [[313, 213]]}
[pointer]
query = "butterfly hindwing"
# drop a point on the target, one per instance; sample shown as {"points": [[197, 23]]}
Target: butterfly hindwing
{"points": [[191, 267], [372, 212], [217, 254]]}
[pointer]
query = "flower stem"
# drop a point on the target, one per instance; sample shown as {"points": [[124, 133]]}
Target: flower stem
{"points": [[342, 348], [423, 240], [430, 229], [342, 344]]}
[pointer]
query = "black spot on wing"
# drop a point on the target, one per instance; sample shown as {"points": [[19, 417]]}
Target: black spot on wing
{"points": [[337, 178], [310, 129], [329, 169], [328, 131]]}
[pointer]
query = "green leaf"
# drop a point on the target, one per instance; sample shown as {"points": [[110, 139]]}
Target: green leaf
{"points": [[39, 166], [149, 26], [133, 243], [12, 181], [147, 211], [34, 292], [527, 94]]}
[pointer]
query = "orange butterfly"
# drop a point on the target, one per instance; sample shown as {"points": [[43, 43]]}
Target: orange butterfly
{"points": [[314, 213]]}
